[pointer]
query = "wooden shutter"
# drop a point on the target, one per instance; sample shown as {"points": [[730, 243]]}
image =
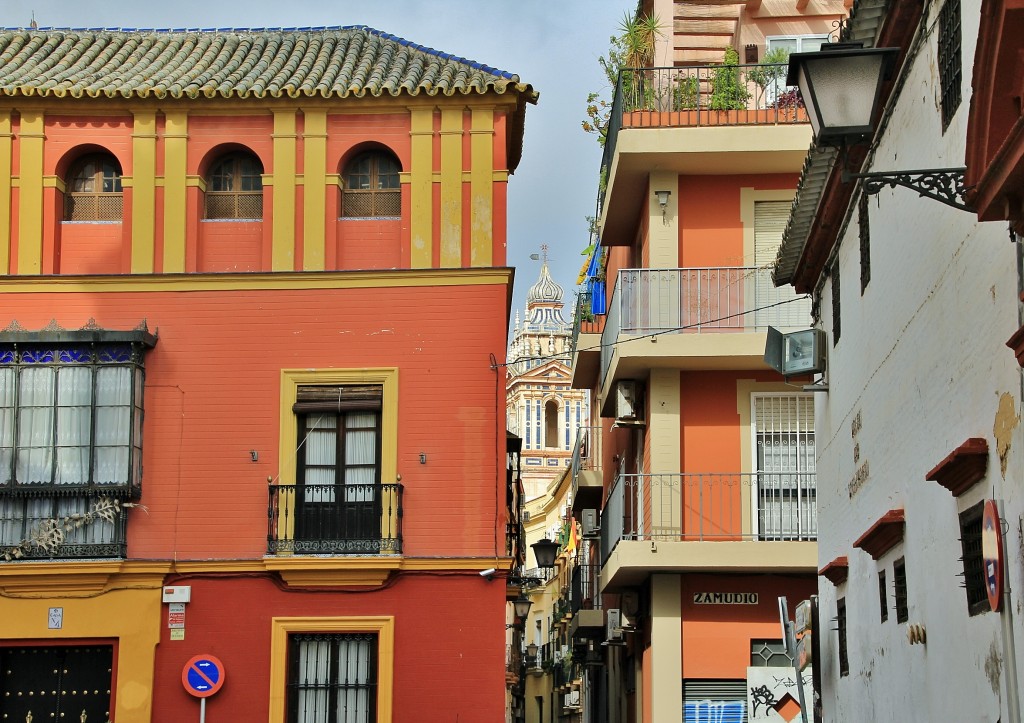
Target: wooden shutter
{"points": [[337, 398]]}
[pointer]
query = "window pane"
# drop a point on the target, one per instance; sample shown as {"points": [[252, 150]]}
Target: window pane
{"points": [[111, 465], [113, 386], [6, 423]]}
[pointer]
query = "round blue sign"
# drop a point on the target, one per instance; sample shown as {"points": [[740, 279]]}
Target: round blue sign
{"points": [[203, 676]]}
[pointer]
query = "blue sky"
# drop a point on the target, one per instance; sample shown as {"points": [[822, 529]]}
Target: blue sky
{"points": [[553, 46]]}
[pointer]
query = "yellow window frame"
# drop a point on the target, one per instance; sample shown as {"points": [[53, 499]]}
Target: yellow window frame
{"points": [[383, 626]]}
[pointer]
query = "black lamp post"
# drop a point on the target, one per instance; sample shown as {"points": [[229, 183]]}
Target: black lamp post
{"points": [[841, 86], [545, 551]]}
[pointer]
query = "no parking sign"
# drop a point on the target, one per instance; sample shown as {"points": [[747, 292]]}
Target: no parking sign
{"points": [[203, 676]]}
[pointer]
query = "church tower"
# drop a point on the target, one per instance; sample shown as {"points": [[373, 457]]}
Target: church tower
{"points": [[542, 408]]}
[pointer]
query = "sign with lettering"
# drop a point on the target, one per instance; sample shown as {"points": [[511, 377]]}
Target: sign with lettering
{"points": [[725, 598]]}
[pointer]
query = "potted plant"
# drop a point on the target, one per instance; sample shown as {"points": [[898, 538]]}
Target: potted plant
{"points": [[728, 92]]}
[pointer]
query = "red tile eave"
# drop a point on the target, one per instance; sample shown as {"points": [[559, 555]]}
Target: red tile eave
{"points": [[963, 467], [900, 23], [836, 571], [1016, 342], [883, 535]]}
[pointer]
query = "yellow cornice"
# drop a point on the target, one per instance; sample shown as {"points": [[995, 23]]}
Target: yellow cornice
{"points": [[289, 280], [78, 578]]}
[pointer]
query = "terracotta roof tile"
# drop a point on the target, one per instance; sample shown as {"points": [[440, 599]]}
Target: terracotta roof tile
{"points": [[233, 62]]}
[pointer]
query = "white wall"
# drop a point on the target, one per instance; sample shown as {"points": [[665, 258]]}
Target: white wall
{"points": [[922, 359]]}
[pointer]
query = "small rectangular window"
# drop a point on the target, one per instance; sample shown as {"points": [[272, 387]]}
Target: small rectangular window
{"points": [[950, 65], [836, 326], [865, 242], [974, 569], [844, 663], [899, 574], [883, 599]]}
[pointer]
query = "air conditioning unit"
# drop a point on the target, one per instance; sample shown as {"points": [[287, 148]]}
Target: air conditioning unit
{"points": [[625, 400], [613, 626], [571, 699], [590, 524]]}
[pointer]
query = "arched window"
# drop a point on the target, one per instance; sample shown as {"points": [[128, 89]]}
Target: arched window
{"points": [[551, 424], [371, 186], [234, 187], [93, 189]]}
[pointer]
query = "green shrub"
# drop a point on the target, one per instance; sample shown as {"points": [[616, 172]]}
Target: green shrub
{"points": [[727, 90]]}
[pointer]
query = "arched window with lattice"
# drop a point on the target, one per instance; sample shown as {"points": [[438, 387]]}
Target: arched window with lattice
{"points": [[370, 186], [93, 189], [234, 187]]}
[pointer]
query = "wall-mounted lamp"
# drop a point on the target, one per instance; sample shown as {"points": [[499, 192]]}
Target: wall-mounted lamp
{"points": [[841, 85], [663, 198], [545, 551]]}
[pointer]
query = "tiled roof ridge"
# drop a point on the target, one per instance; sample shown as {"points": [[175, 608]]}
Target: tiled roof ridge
{"points": [[338, 61], [298, 29]]}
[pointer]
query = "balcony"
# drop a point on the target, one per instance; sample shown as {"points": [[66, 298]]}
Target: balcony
{"points": [[585, 602], [44, 522], [704, 318], [739, 522], [585, 469], [335, 519], [586, 339], [699, 119]]}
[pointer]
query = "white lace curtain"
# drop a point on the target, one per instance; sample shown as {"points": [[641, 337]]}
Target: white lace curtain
{"points": [[350, 657], [321, 451], [57, 434]]}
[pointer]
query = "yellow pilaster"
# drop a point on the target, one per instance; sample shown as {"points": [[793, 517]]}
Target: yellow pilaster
{"points": [[421, 188], [30, 184], [6, 147], [481, 192], [667, 656], [283, 240], [143, 192], [175, 183], [451, 188], [315, 195]]}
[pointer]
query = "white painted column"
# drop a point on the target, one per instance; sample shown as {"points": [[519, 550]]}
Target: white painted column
{"points": [[667, 648], [664, 223]]}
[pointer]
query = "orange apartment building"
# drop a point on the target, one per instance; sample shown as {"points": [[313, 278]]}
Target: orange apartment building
{"points": [[235, 263], [700, 499]]}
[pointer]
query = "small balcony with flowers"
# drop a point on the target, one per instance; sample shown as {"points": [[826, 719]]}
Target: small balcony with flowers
{"points": [[731, 118]]}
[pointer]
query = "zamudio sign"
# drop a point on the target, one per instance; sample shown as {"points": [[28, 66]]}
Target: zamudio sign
{"points": [[725, 598]]}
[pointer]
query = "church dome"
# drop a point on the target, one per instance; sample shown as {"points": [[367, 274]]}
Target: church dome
{"points": [[546, 290]]}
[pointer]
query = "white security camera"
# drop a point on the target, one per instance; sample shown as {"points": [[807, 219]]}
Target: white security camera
{"points": [[488, 573]]}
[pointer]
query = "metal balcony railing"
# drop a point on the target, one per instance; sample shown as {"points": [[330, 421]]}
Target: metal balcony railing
{"points": [[45, 522], [699, 300], [335, 519], [584, 593], [711, 95], [586, 454], [765, 506], [585, 321]]}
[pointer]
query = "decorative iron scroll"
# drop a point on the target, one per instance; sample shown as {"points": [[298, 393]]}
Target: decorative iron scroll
{"points": [[945, 185]]}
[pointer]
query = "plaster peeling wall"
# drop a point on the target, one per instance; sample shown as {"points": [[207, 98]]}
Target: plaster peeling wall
{"points": [[922, 362]]}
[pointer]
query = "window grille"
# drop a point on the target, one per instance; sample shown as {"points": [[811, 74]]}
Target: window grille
{"points": [[769, 654], [371, 187], [93, 190], [883, 598], [974, 568], [899, 574], [332, 678], [865, 242], [844, 662], [786, 489], [950, 66], [234, 188]]}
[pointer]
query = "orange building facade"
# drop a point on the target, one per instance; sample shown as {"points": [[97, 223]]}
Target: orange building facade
{"points": [[234, 267], [701, 509]]}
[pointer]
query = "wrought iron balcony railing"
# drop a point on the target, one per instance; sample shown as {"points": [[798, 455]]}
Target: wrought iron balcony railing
{"points": [[47, 522], [586, 453], [711, 95], [699, 300], [335, 519], [584, 593], [764, 506], [585, 321]]}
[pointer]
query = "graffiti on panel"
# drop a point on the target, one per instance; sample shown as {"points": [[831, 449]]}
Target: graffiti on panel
{"points": [[713, 711], [771, 690]]}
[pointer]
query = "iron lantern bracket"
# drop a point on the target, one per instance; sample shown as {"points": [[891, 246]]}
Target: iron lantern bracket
{"points": [[945, 185]]}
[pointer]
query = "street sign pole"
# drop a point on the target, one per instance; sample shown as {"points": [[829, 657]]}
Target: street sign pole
{"points": [[789, 640], [202, 710]]}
